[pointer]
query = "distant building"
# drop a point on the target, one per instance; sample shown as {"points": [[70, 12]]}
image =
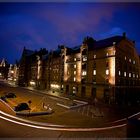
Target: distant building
{"points": [[4, 67], [30, 68], [107, 69], [13, 73]]}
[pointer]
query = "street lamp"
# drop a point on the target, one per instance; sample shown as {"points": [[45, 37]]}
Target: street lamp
{"points": [[29, 102]]}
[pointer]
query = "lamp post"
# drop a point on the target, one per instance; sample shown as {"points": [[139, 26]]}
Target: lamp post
{"points": [[29, 102]]}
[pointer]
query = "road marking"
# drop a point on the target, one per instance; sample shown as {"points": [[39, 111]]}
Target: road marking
{"points": [[27, 121], [63, 129]]}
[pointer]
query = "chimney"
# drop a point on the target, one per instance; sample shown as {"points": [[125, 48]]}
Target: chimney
{"points": [[124, 34]]}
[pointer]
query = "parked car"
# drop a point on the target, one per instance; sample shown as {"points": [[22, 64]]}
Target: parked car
{"points": [[21, 106], [10, 95]]}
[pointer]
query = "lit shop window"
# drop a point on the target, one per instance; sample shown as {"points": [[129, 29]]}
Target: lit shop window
{"points": [[94, 72], [119, 72], [124, 74], [107, 72], [94, 56], [74, 79], [84, 73], [129, 74], [74, 72], [75, 66], [74, 59]]}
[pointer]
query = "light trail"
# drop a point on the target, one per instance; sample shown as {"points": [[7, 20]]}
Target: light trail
{"points": [[133, 115], [60, 128], [27, 121]]}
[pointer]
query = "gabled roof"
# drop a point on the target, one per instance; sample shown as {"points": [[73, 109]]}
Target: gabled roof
{"points": [[73, 50], [108, 42], [56, 53], [28, 52]]}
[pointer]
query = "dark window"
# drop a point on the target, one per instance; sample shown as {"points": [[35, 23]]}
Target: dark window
{"points": [[84, 66], [107, 64], [84, 52]]}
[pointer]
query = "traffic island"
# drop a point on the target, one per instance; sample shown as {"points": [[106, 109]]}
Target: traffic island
{"points": [[27, 114], [71, 104]]}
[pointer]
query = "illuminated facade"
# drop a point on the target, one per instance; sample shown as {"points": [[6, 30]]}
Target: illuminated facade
{"points": [[13, 73], [107, 69]]}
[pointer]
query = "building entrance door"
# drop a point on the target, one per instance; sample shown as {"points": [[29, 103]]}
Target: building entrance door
{"points": [[67, 89], [83, 90], [93, 93], [106, 95]]}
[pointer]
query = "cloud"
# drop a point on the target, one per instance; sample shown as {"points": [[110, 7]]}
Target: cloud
{"points": [[72, 20], [113, 31]]}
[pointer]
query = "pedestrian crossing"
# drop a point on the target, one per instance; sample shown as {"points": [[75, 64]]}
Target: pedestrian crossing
{"points": [[90, 111]]}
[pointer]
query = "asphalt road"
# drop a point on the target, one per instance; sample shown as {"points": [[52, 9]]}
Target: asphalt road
{"points": [[12, 129]]}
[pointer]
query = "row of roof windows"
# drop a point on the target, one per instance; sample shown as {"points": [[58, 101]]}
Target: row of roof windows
{"points": [[130, 60]]}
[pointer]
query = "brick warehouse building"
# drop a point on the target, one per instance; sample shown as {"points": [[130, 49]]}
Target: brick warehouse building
{"points": [[107, 69]]}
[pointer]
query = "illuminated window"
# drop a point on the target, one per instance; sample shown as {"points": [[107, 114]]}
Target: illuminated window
{"points": [[94, 56], [85, 59], [94, 72], [125, 57], [74, 79], [133, 75], [119, 72], [134, 62], [84, 73], [130, 60], [12, 71], [74, 87], [107, 72], [75, 66], [129, 74], [114, 43], [107, 54], [74, 72], [137, 76], [124, 74], [74, 59]]}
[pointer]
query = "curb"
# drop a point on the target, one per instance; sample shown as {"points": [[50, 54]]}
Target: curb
{"points": [[33, 113]]}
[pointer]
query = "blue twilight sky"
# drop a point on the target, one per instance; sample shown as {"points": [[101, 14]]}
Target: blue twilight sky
{"points": [[45, 25]]}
